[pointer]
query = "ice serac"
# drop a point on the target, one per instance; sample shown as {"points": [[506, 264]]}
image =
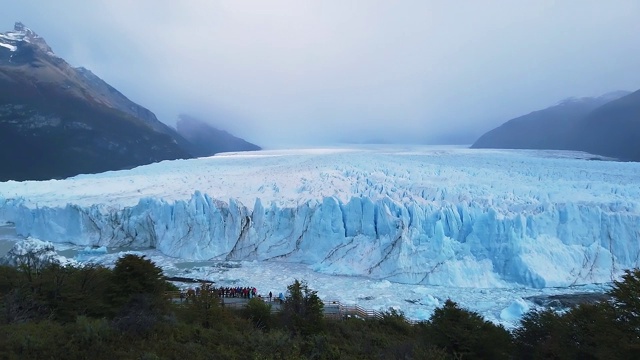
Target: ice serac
{"points": [[456, 217], [457, 244]]}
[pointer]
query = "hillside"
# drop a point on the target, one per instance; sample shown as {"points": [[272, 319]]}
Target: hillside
{"points": [[550, 128], [611, 130], [58, 121]]}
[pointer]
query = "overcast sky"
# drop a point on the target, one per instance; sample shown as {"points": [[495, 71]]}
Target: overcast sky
{"points": [[294, 72]]}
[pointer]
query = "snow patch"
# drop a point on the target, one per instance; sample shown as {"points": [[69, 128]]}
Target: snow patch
{"points": [[9, 46]]}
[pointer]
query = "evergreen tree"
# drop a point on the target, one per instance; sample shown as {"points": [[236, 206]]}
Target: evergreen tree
{"points": [[626, 300], [626, 309], [303, 310], [537, 336]]}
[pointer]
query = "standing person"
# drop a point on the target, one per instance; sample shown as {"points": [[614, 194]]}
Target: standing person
{"points": [[281, 297], [270, 296]]}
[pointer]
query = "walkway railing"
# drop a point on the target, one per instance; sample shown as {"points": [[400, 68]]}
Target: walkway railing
{"points": [[333, 309]]}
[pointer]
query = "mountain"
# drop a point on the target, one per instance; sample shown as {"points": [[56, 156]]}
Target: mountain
{"points": [[612, 129], [206, 140], [551, 128], [58, 121]]}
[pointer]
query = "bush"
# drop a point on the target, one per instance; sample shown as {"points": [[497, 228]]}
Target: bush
{"points": [[259, 313], [205, 309], [395, 320]]}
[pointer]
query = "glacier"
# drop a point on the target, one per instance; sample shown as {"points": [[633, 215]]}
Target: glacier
{"points": [[413, 215]]}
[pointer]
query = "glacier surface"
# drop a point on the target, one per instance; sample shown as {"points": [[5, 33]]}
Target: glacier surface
{"points": [[454, 217]]}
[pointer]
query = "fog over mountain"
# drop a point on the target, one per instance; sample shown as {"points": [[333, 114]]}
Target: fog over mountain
{"points": [[206, 140], [285, 73], [58, 121]]}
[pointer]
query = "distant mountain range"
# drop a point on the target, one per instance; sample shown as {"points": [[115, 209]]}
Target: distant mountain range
{"points": [[199, 134], [58, 121], [608, 125]]}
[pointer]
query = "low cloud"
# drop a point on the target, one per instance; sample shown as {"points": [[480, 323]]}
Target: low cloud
{"points": [[284, 73]]}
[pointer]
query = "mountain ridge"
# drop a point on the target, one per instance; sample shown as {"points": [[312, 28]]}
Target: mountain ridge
{"points": [[202, 135], [61, 121], [580, 124]]}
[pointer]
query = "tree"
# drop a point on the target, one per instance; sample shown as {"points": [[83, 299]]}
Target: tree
{"points": [[396, 320], [31, 257], [303, 311], [626, 299], [205, 308], [136, 278], [537, 335], [9, 277], [465, 333], [588, 331], [91, 284], [626, 308]]}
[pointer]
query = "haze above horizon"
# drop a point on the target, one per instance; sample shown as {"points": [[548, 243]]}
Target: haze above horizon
{"points": [[290, 73]]}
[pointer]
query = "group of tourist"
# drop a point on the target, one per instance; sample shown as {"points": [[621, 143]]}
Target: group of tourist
{"points": [[230, 292], [237, 292]]}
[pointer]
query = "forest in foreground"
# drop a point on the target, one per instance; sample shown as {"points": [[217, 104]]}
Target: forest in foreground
{"points": [[49, 311]]}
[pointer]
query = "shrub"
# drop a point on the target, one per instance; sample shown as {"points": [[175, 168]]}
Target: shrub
{"points": [[259, 313]]}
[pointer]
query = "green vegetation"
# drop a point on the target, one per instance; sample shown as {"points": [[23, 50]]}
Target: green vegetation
{"points": [[302, 311], [55, 312]]}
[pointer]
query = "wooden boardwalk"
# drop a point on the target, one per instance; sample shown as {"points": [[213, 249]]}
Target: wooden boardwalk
{"points": [[333, 309]]}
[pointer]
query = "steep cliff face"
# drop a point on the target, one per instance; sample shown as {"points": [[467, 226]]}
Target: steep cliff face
{"points": [[454, 217], [452, 244], [60, 121]]}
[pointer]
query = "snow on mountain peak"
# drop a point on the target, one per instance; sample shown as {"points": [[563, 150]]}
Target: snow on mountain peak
{"points": [[21, 34], [19, 27]]}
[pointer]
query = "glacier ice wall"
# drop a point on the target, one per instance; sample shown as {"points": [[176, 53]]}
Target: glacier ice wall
{"points": [[462, 243]]}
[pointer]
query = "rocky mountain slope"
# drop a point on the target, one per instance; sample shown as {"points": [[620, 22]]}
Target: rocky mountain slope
{"points": [[58, 121]]}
